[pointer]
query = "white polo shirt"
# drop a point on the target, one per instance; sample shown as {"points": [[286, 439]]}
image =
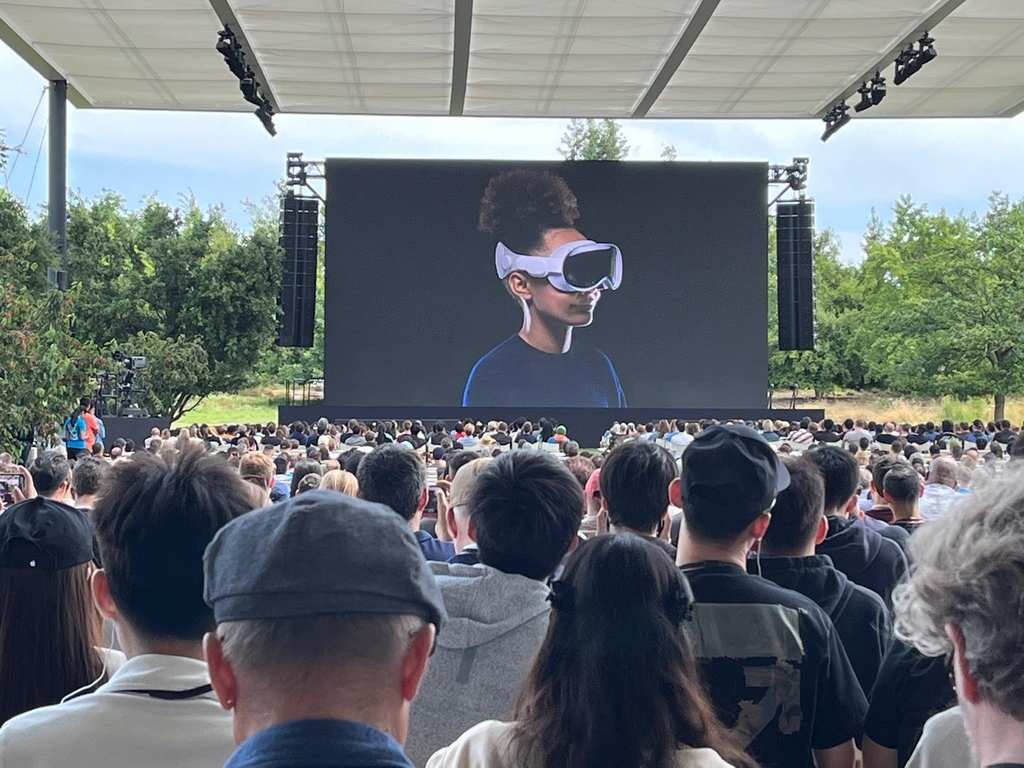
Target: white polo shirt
{"points": [[112, 727]]}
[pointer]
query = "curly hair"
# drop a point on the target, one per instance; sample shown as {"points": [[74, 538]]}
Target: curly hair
{"points": [[968, 570], [519, 206]]}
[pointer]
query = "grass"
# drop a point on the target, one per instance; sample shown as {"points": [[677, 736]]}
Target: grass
{"points": [[259, 405], [254, 406]]}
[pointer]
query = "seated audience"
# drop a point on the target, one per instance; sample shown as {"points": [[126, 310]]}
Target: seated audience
{"points": [[863, 554], [634, 491], [326, 616], [50, 633], [902, 490], [967, 574], [940, 488], [341, 481], [615, 682], [258, 470], [157, 709], [396, 477], [458, 515], [51, 477], [592, 494], [87, 481], [771, 658], [787, 557], [524, 514]]}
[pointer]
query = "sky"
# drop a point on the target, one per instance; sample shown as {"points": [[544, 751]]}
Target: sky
{"points": [[228, 159]]}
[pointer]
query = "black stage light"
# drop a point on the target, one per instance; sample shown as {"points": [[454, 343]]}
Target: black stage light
{"points": [[865, 98], [927, 51], [250, 90], [878, 89], [903, 63], [266, 115], [837, 117]]}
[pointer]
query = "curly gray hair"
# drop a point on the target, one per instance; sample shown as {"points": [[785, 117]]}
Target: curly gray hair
{"points": [[968, 570]]}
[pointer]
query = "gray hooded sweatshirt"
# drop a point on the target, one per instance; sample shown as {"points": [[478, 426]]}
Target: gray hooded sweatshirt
{"points": [[496, 624]]}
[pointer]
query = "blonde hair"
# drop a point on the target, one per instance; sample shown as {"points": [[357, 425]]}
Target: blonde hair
{"points": [[341, 481]]}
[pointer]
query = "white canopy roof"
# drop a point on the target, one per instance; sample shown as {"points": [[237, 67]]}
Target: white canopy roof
{"points": [[529, 58]]}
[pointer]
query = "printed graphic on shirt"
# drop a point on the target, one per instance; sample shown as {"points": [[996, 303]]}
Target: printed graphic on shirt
{"points": [[752, 657]]}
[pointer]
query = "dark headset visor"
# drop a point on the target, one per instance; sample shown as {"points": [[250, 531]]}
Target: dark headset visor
{"points": [[585, 270]]}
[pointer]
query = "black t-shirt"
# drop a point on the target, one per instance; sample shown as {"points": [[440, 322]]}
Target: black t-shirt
{"points": [[774, 665], [827, 437], [910, 688], [514, 373], [907, 525], [501, 438], [883, 439], [917, 439], [1004, 436]]}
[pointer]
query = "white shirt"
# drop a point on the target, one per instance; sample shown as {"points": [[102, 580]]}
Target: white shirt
{"points": [[486, 746], [109, 729], [944, 743], [936, 500]]}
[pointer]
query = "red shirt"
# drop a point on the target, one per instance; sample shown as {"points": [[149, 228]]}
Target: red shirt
{"points": [[92, 430]]}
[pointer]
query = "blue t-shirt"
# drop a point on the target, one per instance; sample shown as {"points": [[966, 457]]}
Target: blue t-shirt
{"points": [[74, 433], [515, 374]]}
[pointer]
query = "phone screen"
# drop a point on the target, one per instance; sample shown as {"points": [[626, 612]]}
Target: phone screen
{"points": [[9, 481]]}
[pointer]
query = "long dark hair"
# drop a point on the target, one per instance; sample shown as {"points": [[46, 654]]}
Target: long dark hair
{"points": [[49, 633], [615, 683]]}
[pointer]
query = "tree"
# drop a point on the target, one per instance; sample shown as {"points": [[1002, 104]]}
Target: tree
{"points": [[176, 370], [835, 360], [945, 297], [184, 277], [668, 152], [593, 140], [44, 368]]}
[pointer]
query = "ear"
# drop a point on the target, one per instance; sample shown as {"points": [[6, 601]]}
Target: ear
{"points": [[851, 505], [222, 676], [887, 498], [675, 493], [453, 526], [101, 596], [920, 490], [414, 663], [573, 543], [604, 503], [519, 286], [822, 531], [966, 684], [759, 527], [424, 498]]}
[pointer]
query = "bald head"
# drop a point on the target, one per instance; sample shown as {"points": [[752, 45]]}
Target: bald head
{"points": [[942, 472]]}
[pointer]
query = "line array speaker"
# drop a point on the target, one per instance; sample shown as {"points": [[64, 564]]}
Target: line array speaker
{"points": [[795, 254], [300, 229]]}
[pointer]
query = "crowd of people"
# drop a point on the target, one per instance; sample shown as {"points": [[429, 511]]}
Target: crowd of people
{"points": [[690, 594]]}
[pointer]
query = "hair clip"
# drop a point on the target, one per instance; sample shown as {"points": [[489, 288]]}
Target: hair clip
{"points": [[678, 606], [562, 596]]}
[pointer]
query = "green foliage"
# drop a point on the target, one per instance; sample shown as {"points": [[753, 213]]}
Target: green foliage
{"points": [[176, 370], [834, 362], [945, 295], [44, 369], [181, 286], [594, 140]]}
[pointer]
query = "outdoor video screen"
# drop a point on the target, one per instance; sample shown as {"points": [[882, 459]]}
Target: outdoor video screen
{"points": [[570, 285]]}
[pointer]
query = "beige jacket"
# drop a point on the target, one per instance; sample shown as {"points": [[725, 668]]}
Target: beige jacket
{"points": [[486, 746]]}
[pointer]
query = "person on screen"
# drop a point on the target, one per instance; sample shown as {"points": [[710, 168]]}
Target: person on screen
{"points": [[557, 276]]}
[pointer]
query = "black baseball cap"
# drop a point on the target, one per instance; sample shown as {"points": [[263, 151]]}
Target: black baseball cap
{"points": [[732, 468], [44, 535]]}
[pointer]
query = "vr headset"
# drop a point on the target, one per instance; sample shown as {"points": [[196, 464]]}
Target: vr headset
{"points": [[579, 266]]}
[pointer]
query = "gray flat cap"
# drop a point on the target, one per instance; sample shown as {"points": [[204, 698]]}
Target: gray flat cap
{"points": [[315, 554]]}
